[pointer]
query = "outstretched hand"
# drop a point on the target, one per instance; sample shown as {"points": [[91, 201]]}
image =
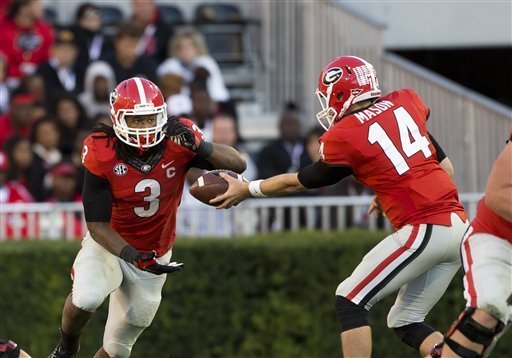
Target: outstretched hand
{"points": [[146, 261], [237, 192]]}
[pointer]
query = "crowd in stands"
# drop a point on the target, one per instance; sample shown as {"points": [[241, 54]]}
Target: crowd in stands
{"points": [[55, 83]]}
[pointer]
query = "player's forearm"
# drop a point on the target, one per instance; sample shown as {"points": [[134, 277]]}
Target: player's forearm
{"points": [[281, 184], [226, 157], [103, 234], [501, 203], [446, 164], [498, 195]]}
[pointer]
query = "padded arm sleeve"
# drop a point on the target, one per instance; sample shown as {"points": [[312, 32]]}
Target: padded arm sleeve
{"points": [[439, 151], [97, 198], [320, 174]]}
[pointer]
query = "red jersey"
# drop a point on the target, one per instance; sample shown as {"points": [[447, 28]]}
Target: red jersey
{"points": [[24, 48], [145, 199], [487, 221], [389, 150]]}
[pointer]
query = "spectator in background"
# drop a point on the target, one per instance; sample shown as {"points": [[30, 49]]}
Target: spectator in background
{"points": [[18, 120], [99, 82], [126, 61], [91, 42], [63, 184], [171, 85], [45, 139], [224, 131], [61, 73], [25, 39], [76, 156], [20, 158], [102, 119], [11, 191], [70, 118], [187, 53], [203, 108], [34, 84], [286, 154], [156, 33], [4, 90]]}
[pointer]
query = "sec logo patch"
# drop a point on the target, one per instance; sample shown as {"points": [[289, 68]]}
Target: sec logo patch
{"points": [[120, 169]]}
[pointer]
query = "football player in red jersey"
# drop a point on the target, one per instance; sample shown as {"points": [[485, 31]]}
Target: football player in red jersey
{"points": [[486, 252], [134, 179], [384, 143]]}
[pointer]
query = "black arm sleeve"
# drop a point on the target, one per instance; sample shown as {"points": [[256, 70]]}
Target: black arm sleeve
{"points": [[97, 198], [319, 174], [439, 151], [201, 163]]}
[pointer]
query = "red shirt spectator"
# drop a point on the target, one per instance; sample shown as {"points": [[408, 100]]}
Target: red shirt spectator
{"points": [[18, 120], [12, 192], [25, 39]]}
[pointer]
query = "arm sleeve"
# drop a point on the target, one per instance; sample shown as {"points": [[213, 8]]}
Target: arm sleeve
{"points": [[320, 174], [439, 151], [97, 198], [201, 163]]}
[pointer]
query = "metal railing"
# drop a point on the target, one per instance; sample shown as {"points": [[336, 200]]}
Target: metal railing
{"points": [[470, 127], [66, 221]]}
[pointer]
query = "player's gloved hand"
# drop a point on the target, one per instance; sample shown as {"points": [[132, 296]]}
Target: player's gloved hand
{"points": [[183, 135], [146, 261]]}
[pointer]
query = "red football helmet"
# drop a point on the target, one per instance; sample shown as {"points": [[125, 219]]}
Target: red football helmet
{"points": [[343, 82], [138, 96]]}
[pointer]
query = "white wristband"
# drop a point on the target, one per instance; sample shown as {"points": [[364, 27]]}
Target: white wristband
{"points": [[255, 189]]}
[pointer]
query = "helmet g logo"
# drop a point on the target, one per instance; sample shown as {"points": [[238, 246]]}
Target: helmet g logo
{"points": [[332, 75]]}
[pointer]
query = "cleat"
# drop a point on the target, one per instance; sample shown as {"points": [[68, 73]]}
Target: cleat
{"points": [[58, 352]]}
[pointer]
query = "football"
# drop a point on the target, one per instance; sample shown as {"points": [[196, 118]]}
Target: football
{"points": [[211, 184]]}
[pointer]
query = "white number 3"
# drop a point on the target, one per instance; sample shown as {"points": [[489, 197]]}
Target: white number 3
{"points": [[406, 127], [85, 150], [151, 198]]}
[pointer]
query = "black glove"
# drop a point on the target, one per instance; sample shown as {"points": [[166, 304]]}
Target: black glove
{"points": [[146, 261], [182, 135]]}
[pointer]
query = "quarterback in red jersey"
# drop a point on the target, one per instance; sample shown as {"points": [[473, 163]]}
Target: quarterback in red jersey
{"points": [[134, 176], [486, 252], [384, 143]]}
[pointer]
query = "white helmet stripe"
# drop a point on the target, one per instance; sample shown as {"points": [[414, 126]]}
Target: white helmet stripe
{"points": [[140, 87]]}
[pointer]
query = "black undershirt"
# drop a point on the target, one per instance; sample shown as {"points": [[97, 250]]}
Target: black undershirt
{"points": [[96, 198]]}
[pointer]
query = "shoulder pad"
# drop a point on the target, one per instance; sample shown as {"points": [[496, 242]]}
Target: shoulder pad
{"points": [[95, 151]]}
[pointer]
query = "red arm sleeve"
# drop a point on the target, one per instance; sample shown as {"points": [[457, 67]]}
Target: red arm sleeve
{"points": [[334, 151], [89, 157]]}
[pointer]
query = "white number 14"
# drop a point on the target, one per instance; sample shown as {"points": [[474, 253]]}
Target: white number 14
{"points": [[406, 126]]}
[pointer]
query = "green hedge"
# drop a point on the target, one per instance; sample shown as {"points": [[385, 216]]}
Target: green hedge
{"points": [[270, 296]]}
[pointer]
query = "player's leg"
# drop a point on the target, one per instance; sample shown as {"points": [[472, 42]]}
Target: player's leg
{"points": [[383, 270], [417, 297], [132, 309], [487, 285], [96, 273]]}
